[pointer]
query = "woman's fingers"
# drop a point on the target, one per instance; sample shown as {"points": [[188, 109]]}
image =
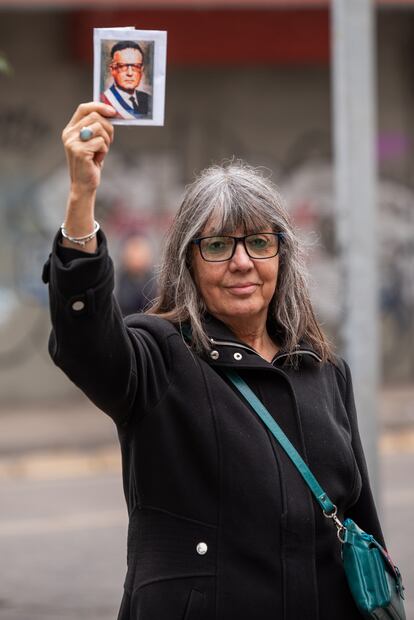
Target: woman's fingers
{"points": [[92, 146], [92, 119], [90, 115], [85, 157], [98, 124], [84, 109], [97, 128]]}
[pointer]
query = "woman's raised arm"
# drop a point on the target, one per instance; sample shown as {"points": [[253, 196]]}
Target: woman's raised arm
{"points": [[114, 364], [85, 160]]}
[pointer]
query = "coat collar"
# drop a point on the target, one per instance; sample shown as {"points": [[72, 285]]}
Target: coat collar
{"points": [[227, 350]]}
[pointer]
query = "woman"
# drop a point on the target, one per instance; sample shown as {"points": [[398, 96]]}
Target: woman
{"points": [[222, 525]]}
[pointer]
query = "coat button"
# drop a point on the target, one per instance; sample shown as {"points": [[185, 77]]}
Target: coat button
{"points": [[202, 548], [238, 356], [214, 355], [78, 305]]}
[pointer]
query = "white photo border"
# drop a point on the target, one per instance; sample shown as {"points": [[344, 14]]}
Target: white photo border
{"points": [[159, 39]]}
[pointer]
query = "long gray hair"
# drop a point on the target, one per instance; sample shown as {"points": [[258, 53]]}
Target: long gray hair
{"points": [[235, 195]]}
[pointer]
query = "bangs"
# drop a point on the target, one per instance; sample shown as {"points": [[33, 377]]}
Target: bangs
{"points": [[235, 198], [250, 217]]}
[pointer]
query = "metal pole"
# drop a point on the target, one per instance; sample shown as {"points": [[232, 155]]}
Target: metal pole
{"points": [[354, 110]]}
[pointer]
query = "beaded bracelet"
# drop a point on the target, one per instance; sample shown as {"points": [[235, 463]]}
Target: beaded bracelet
{"points": [[80, 240]]}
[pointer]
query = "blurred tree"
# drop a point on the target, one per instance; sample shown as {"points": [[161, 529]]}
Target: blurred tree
{"points": [[5, 66]]}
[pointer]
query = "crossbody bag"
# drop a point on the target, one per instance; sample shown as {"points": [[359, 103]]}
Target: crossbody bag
{"points": [[374, 580]]}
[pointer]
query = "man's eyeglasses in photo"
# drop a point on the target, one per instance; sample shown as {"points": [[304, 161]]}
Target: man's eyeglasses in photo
{"points": [[122, 67]]}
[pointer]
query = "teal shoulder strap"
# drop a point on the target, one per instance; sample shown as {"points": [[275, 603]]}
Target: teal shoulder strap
{"points": [[320, 495]]}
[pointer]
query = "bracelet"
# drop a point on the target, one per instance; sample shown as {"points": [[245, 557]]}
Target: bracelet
{"points": [[80, 240]]}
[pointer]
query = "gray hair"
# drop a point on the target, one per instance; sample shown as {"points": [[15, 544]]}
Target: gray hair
{"points": [[236, 195]]}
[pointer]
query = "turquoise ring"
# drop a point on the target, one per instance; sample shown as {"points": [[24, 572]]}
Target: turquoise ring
{"points": [[85, 134]]}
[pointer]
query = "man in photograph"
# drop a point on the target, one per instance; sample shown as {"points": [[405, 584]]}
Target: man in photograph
{"points": [[127, 67]]}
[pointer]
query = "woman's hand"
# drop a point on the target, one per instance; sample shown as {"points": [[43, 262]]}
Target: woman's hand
{"points": [[85, 161]]}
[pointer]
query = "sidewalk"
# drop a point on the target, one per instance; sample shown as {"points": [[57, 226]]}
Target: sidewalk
{"points": [[57, 441], [75, 425], [77, 439]]}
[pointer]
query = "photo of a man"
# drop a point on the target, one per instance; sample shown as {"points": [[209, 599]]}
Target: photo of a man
{"points": [[126, 67], [129, 70]]}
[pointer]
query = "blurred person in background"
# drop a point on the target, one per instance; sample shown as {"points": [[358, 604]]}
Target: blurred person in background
{"points": [[127, 68], [221, 524], [135, 280]]}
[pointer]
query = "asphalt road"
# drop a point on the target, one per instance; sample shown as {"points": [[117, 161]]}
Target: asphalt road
{"points": [[62, 548], [63, 538]]}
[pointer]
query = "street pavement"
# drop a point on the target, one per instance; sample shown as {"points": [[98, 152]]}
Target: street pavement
{"points": [[63, 519]]}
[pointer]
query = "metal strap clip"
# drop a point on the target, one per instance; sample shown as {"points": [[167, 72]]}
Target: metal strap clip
{"points": [[340, 527]]}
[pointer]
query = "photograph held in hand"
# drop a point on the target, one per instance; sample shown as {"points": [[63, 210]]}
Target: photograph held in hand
{"points": [[129, 74]]}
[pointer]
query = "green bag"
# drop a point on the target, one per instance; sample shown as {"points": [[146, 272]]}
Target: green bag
{"points": [[375, 582], [373, 579]]}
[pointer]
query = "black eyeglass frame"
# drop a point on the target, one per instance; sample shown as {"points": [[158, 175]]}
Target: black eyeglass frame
{"points": [[198, 240], [122, 67]]}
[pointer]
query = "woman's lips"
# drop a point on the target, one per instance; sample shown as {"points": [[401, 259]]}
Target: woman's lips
{"points": [[243, 289]]}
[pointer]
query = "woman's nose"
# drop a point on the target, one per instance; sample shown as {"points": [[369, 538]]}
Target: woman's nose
{"points": [[240, 259]]}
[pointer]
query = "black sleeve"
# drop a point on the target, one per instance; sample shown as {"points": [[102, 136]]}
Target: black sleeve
{"points": [[67, 254], [123, 370], [364, 511]]}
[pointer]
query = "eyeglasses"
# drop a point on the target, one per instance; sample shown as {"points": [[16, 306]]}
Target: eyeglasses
{"points": [[122, 67], [221, 248]]}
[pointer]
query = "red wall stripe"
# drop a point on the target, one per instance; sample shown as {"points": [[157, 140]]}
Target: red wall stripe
{"points": [[218, 37]]}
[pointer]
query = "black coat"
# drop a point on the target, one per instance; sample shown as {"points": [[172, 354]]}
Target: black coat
{"points": [[200, 467]]}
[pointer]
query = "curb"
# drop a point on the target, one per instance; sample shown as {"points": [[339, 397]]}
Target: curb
{"points": [[55, 465], [401, 441]]}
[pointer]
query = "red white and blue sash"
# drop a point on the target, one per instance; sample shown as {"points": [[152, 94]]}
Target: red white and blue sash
{"points": [[117, 101]]}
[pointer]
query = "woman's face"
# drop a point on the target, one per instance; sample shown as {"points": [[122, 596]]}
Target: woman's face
{"points": [[241, 287]]}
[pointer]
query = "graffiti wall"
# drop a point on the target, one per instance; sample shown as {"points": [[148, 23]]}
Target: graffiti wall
{"points": [[269, 116]]}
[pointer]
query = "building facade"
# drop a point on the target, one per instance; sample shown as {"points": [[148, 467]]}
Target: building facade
{"points": [[241, 82]]}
